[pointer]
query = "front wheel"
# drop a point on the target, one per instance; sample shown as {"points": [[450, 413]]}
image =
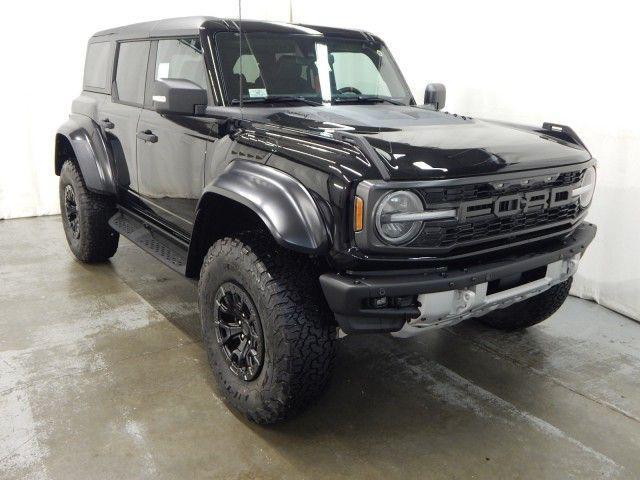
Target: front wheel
{"points": [[531, 311], [267, 330]]}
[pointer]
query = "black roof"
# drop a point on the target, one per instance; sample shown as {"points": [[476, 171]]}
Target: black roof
{"points": [[192, 25]]}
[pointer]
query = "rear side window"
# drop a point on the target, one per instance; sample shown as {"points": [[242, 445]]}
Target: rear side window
{"points": [[181, 58], [95, 67], [131, 70]]}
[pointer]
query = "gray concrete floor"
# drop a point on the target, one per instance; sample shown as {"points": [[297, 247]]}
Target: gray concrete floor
{"points": [[102, 375]]}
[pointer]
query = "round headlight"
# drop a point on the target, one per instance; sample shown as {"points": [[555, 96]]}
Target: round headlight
{"points": [[396, 232], [588, 180]]}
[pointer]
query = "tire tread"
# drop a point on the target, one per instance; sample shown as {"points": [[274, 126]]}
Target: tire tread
{"points": [[98, 241], [304, 340]]}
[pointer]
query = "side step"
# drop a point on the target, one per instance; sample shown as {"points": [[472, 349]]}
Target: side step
{"points": [[153, 241]]}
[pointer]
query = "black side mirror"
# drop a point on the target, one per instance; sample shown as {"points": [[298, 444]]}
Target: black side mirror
{"points": [[177, 95], [435, 95]]}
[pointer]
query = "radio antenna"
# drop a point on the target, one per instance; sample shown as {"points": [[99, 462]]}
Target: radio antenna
{"points": [[240, 57]]}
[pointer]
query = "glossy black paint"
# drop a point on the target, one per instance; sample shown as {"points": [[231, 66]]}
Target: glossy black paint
{"points": [[180, 97], [285, 162], [423, 144], [282, 203]]}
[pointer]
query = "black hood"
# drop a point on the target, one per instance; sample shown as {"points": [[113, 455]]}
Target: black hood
{"points": [[416, 143]]}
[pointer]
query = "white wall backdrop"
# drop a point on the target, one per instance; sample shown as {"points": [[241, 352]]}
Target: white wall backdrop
{"points": [[43, 45], [573, 63]]}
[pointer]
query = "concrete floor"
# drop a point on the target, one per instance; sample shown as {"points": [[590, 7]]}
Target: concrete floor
{"points": [[102, 375]]}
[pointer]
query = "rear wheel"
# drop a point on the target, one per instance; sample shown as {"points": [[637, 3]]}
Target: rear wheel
{"points": [[85, 217], [266, 327], [531, 311]]}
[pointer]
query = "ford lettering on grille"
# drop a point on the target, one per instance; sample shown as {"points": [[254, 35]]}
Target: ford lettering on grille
{"points": [[509, 205]]}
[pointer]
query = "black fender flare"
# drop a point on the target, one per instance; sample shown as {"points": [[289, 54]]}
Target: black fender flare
{"points": [[84, 137], [284, 205]]}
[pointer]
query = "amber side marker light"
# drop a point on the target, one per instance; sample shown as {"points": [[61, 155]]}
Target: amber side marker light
{"points": [[358, 214]]}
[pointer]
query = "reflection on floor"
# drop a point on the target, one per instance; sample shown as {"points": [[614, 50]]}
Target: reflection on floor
{"points": [[102, 375]]}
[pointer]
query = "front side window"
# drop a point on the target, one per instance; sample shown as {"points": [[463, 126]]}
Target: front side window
{"points": [[181, 59], [131, 70], [356, 71], [309, 67]]}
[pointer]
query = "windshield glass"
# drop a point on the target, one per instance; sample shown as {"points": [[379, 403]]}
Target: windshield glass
{"points": [[308, 68]]}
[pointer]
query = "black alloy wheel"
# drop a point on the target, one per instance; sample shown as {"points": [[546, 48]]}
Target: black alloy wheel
{"points": [[71, 211], [238, 331]]}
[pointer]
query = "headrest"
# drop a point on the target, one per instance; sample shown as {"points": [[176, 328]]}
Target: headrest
{"points": [[288, 66]]}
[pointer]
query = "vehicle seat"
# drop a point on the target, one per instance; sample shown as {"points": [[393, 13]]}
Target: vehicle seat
{"points": [[235, 85], [288, 77]]}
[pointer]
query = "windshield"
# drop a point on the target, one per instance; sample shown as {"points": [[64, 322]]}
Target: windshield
{"points": [[307, 68]]}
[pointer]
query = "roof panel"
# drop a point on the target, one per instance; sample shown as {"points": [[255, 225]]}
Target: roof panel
{"points": [[167, 27], [191, 25]]}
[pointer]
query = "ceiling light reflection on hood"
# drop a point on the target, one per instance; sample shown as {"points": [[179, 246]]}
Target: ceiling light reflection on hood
{"points": [[425, 166]]}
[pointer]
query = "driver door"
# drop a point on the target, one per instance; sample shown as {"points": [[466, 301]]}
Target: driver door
{"points": [[171, 148]]}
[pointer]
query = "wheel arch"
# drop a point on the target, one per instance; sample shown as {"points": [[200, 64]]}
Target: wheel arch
{"points": [[80, 138], [248, 195]]}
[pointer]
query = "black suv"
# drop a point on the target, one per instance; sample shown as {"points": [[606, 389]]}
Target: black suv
{"points": [[289, 168]]}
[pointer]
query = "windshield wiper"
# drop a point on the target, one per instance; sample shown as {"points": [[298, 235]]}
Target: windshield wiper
{"points": [[365, 99], [276, 99]]}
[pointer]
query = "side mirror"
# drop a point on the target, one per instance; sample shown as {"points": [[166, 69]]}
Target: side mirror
{"points": [[435, 95], [176, 95]]}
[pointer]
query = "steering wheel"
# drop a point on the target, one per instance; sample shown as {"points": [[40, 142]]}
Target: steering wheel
{"points": [[349, 90]]}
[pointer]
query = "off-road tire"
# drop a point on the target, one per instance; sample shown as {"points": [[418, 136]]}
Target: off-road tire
{"points": [[94, 240], [299, 336], [531, 311]]}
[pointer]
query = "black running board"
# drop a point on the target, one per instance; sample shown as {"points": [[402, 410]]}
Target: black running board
{"points": [[151, 239]]}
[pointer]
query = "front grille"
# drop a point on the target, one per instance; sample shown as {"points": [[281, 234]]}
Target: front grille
{"points": [[477, 191], [451, 233], [432, 237]]}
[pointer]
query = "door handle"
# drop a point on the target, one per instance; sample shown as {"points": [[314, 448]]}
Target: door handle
{"points": [[107, 124], [147, 136]]}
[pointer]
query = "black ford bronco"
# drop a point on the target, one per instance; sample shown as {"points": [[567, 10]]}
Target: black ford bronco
{"points": [[289, 169]]}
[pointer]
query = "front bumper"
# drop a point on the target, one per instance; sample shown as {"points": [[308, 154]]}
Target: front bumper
{"points": [[351, 296]]}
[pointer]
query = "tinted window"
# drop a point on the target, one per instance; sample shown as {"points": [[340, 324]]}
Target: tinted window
{"points": [[95, 67], [248, 65], [131, 71], [309, 66], [181, 58]]}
